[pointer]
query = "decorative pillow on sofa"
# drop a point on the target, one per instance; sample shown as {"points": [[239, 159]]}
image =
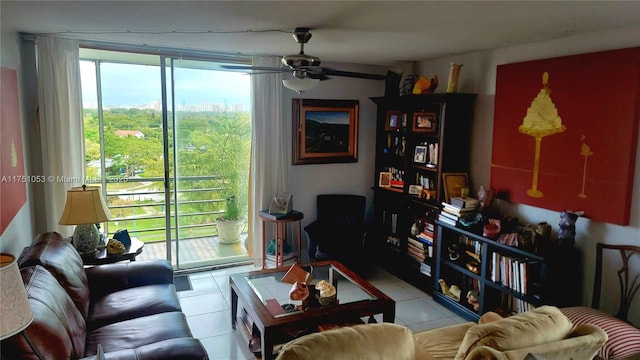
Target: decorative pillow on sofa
{"points": [[624, 339], [531, 328]]}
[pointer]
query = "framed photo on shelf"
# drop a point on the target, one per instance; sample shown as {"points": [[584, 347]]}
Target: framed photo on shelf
{"points": [[393, 120], [415, 189], [324, 131], [424, 121], [420, 154], [385, 180], [454, 184]]}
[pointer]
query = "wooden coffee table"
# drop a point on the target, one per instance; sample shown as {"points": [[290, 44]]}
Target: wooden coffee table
{"points": [[262, 295]]}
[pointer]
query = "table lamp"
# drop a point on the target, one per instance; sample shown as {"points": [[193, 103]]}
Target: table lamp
{"points": [[85, 208], [14, 305]]}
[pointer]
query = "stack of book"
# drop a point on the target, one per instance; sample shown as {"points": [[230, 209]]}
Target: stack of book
{"points": [[289, 258], [416, 250], [458, 206], [420, 248], [514, 273]]}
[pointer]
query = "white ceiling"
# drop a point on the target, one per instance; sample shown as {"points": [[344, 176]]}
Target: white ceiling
{"points": [[365, 32]]}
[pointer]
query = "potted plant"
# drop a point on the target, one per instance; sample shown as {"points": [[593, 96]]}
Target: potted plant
{"points": [[231, 224], [231, 164]]}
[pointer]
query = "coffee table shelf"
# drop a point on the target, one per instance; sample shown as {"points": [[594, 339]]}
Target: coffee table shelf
{"points": [[356, 298]]}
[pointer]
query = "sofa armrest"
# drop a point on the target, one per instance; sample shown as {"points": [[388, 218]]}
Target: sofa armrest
{"points": [[106, 279], [367, 341], [179, 349]]}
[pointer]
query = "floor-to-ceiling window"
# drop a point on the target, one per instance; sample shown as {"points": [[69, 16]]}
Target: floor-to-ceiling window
{"points": [[169, 141]]}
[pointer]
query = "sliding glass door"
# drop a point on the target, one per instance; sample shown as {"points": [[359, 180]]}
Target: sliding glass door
{"points": [[160, 135]]}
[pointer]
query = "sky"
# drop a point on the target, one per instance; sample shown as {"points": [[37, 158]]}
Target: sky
{"points": [[328, 117], [126, 84]]}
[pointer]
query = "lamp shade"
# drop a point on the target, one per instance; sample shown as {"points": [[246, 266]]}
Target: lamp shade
{"points": [[300, 85], [84, 206], [14, 305]]}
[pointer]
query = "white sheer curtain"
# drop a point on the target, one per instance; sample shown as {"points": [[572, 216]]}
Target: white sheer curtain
{"points": [[61, 125], [269, 161]]}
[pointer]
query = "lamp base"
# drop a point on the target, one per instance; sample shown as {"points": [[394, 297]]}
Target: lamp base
{"points": [[85, 238]]}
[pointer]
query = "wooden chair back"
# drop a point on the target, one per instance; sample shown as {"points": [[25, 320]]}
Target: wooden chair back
{"points": [[629, 283]]}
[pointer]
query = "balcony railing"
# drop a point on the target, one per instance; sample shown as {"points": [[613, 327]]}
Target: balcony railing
{"points": [[140, 204]]}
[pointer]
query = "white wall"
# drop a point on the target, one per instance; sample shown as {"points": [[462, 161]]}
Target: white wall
{"points": [[20, 231], [357, 178], [478, 75]]}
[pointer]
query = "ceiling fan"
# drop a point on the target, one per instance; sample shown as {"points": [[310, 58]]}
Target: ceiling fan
{"points": [[304, 68]]}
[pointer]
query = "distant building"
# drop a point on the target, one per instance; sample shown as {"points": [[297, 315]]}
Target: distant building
{"points": [[108, 163], [125, 133]]}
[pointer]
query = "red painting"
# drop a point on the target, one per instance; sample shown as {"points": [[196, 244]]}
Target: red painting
{"points": [[565, 133], [13, 193]]}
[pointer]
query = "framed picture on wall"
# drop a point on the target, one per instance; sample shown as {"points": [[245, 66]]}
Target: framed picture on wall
{"points": [[325, 131]]}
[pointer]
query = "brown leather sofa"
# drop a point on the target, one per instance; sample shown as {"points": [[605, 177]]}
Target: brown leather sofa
{"points": [[131, 309]]}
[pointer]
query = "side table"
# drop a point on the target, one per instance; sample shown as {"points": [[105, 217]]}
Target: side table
{"points": [[101, 257], [280, 222]]}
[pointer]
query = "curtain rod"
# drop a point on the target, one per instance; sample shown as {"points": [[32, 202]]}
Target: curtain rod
{"points": [[154, 50]]}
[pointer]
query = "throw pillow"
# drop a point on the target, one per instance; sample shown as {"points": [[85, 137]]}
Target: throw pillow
{"points": [[531, 328]]}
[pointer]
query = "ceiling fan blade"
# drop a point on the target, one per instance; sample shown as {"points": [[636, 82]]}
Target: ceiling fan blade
{"points": [[359, 75], [254, 68], [318, 76]]}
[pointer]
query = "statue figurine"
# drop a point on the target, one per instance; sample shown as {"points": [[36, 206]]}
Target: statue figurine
{"points": [[567, 231], [485, 197]]}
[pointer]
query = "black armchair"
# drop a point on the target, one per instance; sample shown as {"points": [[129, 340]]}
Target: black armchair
{"points": [[339, 231]]}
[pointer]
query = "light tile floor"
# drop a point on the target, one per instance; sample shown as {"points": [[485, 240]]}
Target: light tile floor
{"points": [[207, 308]]}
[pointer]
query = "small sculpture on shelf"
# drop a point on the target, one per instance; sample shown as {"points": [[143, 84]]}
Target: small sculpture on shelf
{"points": [[452, 291], [425, 86], [326, 293], [472, 299], [115, 247], [567, 231]]}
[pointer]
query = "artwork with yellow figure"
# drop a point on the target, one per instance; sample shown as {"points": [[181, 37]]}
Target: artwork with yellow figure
{"points": [[542, 120], [586, 152]]}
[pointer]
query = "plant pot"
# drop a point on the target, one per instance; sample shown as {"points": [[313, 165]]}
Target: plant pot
{"points": [[229, 230]]}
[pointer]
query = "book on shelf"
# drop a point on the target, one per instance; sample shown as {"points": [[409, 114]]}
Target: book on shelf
{"points": [[515, 273], [425, 247], [450, 215], [458, 211], [425, 269], [271, 263], [416, 243], [446, 220], [510, 305], [418, 251], [425, 237], [285, 257], [464, 202]]}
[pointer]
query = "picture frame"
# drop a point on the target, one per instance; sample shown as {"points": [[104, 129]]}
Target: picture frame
{"points": [[324, 131], [415, 189], [454, 183], [393, 120], [424, 121], [385, 180], [420, 154]]}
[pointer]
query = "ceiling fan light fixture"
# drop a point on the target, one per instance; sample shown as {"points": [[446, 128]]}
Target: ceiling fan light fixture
{"points": [[300, 85]]}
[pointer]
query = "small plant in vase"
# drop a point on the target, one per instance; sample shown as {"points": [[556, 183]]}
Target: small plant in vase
{"points": [[231, 224]]}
